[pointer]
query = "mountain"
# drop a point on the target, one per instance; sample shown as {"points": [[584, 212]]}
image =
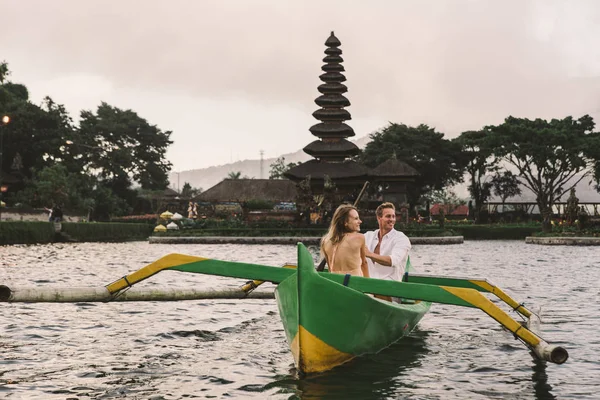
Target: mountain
{"points": [[206, 178]]}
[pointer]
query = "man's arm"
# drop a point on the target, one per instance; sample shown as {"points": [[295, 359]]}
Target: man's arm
{"points": [[400, 249], [379, 259]]}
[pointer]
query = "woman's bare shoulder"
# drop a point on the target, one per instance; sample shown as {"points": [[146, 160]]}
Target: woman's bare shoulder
{"points": [[356, 237]]}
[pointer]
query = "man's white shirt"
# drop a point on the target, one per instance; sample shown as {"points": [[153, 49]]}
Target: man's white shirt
{"points": [[394, 244]]}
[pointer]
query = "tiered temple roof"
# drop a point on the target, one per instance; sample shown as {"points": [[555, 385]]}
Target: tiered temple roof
{"points": [[332, 150]]}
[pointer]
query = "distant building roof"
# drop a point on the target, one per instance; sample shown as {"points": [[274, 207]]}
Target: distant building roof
{"points": [[168, 192], [8, 178], [318, 169], [240, 190], [394, 168]]}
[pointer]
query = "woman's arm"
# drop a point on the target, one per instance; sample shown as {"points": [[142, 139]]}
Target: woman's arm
{"points": [[363, 258]]}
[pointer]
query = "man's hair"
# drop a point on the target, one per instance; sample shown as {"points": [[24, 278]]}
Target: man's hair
{"points": [[387, 204]]}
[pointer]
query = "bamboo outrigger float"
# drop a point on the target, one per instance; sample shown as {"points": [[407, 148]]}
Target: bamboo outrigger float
{"points": [[328, 318]]}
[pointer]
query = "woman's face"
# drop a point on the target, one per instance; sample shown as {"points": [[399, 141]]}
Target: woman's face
{"points": [[353, 221]]}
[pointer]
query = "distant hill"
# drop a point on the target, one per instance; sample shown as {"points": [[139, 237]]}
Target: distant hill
{"points": [[206, 178]]}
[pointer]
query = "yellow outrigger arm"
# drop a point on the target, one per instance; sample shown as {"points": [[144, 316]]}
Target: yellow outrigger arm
{"points": [[186, 263], [481, 285], [455, 291]]}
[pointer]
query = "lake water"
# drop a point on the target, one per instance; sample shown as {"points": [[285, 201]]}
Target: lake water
{"points": [[237, 349]]}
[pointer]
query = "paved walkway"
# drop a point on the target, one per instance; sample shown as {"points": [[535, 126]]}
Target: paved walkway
{"points": [[564, 241], [308, 240]]}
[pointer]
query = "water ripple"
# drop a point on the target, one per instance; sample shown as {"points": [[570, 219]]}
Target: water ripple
{"points": [[237, 349]]}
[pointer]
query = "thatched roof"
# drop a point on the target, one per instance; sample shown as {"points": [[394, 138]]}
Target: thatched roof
{"points": [[168, 192], [394, 168], [239, 190], [8, 178], [317, 170]]}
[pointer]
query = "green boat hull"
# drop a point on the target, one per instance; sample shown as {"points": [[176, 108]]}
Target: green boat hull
{"points": [[327, 323]]}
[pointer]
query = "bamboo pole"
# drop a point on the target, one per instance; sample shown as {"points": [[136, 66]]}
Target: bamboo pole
{"points": [[100, 294]]}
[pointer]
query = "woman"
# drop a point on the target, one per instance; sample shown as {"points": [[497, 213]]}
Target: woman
{"points": [[344, 246]]}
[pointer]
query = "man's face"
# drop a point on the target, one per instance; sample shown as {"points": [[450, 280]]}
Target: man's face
{"points": [[387, 220]]}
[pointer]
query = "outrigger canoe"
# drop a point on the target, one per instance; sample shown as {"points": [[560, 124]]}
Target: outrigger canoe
{"points": [[328, 323], [329, 318]]}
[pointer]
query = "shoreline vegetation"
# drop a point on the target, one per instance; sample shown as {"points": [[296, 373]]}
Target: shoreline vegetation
{"points": [[35, 232]]}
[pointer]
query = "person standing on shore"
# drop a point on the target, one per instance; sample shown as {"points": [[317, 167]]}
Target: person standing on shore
{"points": [[387, 248]]}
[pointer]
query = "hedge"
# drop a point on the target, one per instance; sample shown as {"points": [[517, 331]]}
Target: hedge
{"points": [[26, 232], [495, 232], [105, 231]]}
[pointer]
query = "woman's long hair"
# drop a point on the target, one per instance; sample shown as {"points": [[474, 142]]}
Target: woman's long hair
{"points": [[338, 228]]}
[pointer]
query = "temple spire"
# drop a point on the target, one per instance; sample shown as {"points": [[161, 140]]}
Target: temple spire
{"points": [[332, 130]]}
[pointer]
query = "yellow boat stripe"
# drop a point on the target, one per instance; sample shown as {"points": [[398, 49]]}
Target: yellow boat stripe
{"points": [[504, 297], [256, 283], [483, 303], [165, 262], [311, 354]]}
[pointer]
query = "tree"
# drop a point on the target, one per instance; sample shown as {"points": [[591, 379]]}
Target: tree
{"points": [[279, 167], [506, 185], [551, 157], [480, 161], [234, 175], [122, 147], [4, 71], [187, 191], [437, 160], [35, 134]]}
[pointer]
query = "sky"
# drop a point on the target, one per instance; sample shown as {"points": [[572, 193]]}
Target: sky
{"points": [[233, 78]]}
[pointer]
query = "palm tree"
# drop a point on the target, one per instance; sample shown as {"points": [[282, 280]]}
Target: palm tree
{"points": [[234, 175]]}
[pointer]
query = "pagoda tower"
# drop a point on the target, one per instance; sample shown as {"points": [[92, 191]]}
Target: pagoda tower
{"points": [[331, 150]]}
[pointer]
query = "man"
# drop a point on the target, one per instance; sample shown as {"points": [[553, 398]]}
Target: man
{"points": [[387, 248]]}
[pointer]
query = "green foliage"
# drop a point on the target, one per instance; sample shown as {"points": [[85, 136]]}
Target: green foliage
{"points": [[188, 192], [279, 168], [26, 232], [103, 156], [506, 185], [4, 71], [439, 161], [123, 145], [477, 154], [35, 134], [495, 232], [234, 175], [106, 232], [551, 156], [51, 185]]}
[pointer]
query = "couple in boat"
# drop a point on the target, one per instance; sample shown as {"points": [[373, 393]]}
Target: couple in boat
{"points": [[380, 254]]}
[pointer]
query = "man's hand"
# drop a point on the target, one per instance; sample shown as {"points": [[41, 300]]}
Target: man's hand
{"points": [[386, 261]]}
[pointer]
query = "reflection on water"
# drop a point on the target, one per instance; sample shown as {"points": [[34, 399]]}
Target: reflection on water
{"points": [[237, 348], [540, 381], [380, 376]]}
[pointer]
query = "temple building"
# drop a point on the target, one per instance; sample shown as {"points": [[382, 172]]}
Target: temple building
{"points": [[331, 166]]}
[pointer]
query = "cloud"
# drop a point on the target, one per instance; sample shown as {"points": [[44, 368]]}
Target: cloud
{"points": [[250, 68]]}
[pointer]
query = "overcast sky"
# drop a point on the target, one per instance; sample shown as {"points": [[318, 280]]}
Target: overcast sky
{"points": [[231, 78]]}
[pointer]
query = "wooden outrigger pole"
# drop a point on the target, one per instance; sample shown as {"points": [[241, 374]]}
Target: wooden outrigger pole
{"points": [[413, 290], [101, 294]]}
